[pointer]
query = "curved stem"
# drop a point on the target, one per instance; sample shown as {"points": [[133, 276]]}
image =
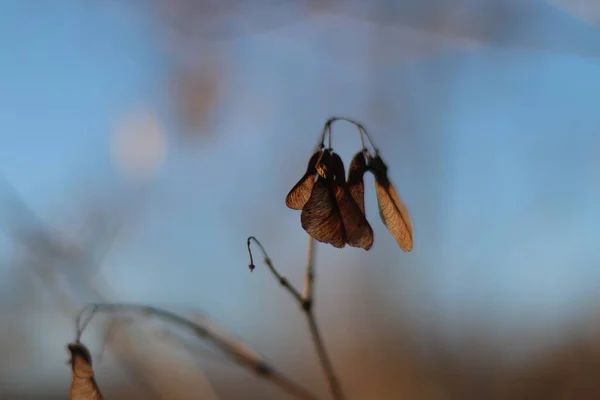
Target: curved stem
{"points": [[361, 131], [306, 302], [334, 385], [267, 260], [308, 306]]}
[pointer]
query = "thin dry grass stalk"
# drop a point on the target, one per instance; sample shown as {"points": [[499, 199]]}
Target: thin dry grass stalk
{"points": [[159, 354], [55, 270], [237, 351]]}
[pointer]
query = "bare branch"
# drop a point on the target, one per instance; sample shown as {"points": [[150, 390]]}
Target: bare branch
{"points": [[236, 350], [309, 277], [307, 303], [362, 131], [282, 280], [51, 262]]}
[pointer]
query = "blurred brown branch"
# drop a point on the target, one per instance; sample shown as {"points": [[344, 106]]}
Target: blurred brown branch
{"points": [[66, 267], [237, 351]]}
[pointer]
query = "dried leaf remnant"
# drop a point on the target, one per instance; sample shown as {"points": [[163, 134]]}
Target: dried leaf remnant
{"points": [[83, 383]]}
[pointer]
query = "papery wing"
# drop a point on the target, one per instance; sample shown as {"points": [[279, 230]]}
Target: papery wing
{"points": [[358, 231], [355, 183], [393, 213], [300, 193], [321, 217]]}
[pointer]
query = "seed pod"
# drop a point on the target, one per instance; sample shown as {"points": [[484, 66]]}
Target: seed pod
{"points": [[83, 384], [331, 215], [356, 184], [357, 228], [300, 193], [320, 216], [392, 211]]}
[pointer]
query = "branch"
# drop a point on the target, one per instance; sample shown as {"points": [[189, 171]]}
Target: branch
{"points": [[29, 221], [306, 302], [309, 276], [362, 131], [267, 260], [236, 350]]}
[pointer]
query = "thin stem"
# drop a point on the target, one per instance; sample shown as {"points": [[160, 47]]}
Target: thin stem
{"points": [[309, 301], [334, 385], [366, 133], [235, 350], [309, 277], [282, 280], [361, 131], [80, 327], [362, 140], [306, 302]]}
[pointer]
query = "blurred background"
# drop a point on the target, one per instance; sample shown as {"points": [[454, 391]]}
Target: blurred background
{"points": [[142, 142]]}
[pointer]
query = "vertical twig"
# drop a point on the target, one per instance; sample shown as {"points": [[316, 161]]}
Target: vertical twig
{"points": [[306, 302], [315, 333], [309, 277]]}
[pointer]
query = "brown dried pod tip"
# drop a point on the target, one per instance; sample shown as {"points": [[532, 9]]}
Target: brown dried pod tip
{"points": [[392, 211], [83, 384]]}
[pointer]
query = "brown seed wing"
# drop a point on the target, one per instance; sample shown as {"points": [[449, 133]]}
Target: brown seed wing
{"points": [[300, 193], [393, 213], [321, 217], [356, 184], [357, 228], [85, 389], [83, 384]]}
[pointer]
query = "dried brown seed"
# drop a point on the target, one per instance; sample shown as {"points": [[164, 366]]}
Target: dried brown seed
{"points": [[356, 184], [392, 211], [358, 232], [83, 384], [331, 214], [357, 228], [320, 216], [300, 193]]}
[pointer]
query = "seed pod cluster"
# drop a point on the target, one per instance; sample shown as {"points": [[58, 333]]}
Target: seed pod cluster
{"points": [[333, 207]]}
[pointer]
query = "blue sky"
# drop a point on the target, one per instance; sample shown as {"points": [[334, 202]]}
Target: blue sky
{"points": [[495, 149]]}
